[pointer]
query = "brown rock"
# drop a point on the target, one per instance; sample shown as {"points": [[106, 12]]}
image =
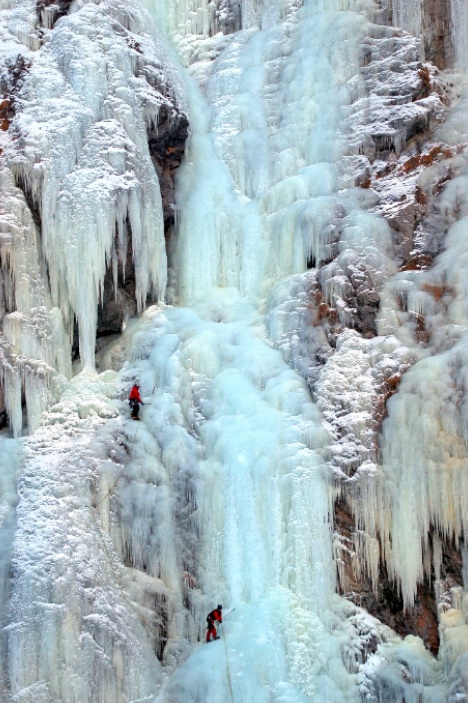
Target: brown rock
{"points": [[436, 32], [167, 145], [385, 603]]}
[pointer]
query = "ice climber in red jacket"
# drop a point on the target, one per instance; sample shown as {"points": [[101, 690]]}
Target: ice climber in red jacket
{"points": [[212, 618], [134, 400]]}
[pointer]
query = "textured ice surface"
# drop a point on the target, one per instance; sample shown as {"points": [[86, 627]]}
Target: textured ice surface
{"points": [[127, 533], [34, 349], [73, 634], [258, 192]]}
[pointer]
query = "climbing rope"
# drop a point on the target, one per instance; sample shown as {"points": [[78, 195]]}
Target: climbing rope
{"points": [[100, 529], [109, 558], [119, 475], [227, 666]]}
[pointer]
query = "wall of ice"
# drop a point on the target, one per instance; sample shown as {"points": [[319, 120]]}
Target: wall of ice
{"points": [[258, 193], [261, 191], [228, 423], [120, 536]]}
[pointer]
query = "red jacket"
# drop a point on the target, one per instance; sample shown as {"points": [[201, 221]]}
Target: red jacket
{"points": [[214, 615], [135, 395]]}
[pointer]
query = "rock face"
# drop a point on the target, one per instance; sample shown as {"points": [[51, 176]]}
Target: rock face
{"points": [[436, 27], [384, 602], [167, 143]]}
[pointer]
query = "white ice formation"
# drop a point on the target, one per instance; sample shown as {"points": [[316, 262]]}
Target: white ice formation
{"points": [[78, 148], [296, 312]]}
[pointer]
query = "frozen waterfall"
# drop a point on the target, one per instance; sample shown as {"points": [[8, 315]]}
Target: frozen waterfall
{"points": [[277, 315]]}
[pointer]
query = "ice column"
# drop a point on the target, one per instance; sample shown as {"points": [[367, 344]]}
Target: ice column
{"points": [[255, 488], [34, 346], [407, 14], [459, 12], [257, 194]]}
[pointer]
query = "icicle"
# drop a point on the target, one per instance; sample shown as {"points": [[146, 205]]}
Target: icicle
{"points": [[407, 14], [437, 555], [85, 189], [35, 340]]}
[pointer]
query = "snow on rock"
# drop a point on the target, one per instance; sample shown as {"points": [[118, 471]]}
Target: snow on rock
{"points": [[394, 98], [430, 402], [351, 386], [302, 325], [414, 500], [352, 391], [400, 673]]}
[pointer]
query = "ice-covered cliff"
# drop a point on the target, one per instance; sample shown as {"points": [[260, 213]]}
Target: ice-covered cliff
{"points": [[291, 296]]}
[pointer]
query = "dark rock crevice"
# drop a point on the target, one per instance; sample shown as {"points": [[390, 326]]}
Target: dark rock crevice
{"points": [[3, 412], [167, 146], [11, 82], [49, 11], [166, 141], [11, 86]]}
